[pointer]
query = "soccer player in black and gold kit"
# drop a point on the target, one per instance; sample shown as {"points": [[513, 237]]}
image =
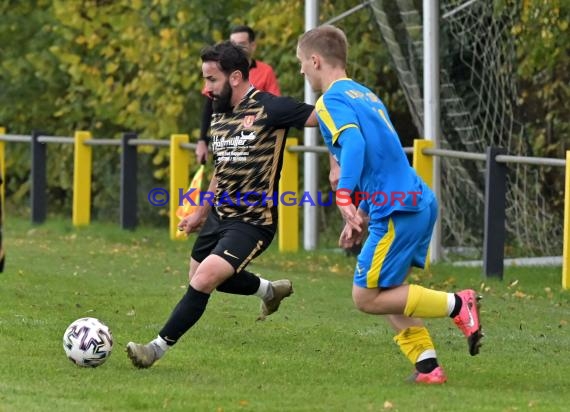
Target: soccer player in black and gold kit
{"points": [[248, 130]]}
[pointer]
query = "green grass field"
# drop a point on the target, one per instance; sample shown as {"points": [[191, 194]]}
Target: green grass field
{"points": [[317, 353]]}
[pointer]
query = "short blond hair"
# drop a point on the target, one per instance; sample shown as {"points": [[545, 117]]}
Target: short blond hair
{"points": [[328, 41]]}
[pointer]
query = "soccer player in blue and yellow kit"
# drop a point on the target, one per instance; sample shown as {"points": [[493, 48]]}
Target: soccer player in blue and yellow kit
{"points": [[397, 209]]}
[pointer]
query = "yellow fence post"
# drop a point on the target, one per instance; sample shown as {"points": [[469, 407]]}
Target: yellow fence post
{"points": [[288, 227], [179, 169], [424, 168], [423, 163], [2, 166], [566, 247], [82, 169]]}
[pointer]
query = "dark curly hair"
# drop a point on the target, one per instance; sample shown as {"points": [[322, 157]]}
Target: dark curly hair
{"points": [[228, 56]]}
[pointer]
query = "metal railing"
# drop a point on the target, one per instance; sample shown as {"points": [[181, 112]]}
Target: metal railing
{"points": [[495, 183]]}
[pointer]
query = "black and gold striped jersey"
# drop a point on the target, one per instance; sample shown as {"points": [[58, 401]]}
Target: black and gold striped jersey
{"points": [[248, 145]]}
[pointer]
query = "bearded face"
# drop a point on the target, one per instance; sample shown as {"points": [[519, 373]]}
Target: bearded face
{"points": [[222, 101]]}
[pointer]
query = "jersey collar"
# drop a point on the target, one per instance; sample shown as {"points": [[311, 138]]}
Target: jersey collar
{"points": [[338, 80], [246, 96]]}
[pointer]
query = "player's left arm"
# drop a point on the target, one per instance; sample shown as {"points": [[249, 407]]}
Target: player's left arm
{"points": [[312, 120], [286, 112]]}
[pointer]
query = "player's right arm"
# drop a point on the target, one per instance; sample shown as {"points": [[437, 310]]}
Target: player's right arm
{"points": [[349, 237], [194, 222]]}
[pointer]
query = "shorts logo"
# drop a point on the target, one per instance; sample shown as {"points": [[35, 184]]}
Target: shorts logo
{"points": [[229, 254], [248, 121]]}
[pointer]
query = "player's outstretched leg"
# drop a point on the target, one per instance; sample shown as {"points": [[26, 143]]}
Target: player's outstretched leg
{"points": [[468, 319], [143, 356], [281, 289]]}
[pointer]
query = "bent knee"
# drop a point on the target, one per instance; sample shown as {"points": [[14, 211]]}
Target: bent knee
{"points": [[361, 306], [369, 301], [204, 282], [364, 305]]}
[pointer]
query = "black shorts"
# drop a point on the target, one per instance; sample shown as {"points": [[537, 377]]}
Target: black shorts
{"points": [[234, 241]]}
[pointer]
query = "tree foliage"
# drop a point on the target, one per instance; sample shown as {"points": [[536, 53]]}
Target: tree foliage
{"points": [[542, 39], [104, 66], [133, 65], [116, 66]]}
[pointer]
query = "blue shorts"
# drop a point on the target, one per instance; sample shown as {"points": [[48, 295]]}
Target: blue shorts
{"points": [[394, 244]]}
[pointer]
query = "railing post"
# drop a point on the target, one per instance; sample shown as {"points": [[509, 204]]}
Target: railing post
{"points": [[2, 170], [288, 226], [82, 168], [128, 182], [495, 203], [423, 164], [179, 167], [2, 165], [39, 179], [566, 247]]}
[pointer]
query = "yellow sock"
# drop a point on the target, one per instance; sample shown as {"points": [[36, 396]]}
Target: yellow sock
{"points": [[413, 342], [425, 303]]}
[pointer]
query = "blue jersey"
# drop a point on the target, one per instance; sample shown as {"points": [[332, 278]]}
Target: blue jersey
{"points": [[387, 182]]}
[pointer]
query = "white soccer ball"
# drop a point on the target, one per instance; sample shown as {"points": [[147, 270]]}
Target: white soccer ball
{"points": [[88, 342]]}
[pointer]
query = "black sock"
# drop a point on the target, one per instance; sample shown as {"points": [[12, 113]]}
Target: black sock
{"points": [[426, 365], [185, 315], [242, 283], [457, 308]]}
